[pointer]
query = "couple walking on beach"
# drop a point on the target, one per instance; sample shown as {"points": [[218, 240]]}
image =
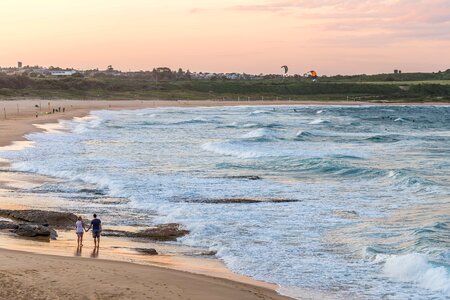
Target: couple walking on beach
{"points": [[96, 225]]}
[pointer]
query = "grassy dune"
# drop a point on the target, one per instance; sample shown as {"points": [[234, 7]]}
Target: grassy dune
{"points": [[362, 88]]}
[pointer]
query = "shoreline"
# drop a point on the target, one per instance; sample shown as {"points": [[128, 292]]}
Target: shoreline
{"points": [[195, 260], [21, 114], [13, 129], [25, 275], [193, 271]]}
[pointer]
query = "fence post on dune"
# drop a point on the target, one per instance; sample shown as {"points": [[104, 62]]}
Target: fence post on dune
{"points": [[4, 112]]}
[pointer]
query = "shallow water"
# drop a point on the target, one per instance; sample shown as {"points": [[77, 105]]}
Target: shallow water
{"points": [[370, 214]]}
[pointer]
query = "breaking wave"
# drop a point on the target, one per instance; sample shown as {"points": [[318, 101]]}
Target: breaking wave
{"points": [[416, 268], [318, 121]]}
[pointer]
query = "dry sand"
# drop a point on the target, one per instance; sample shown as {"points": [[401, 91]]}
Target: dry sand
{"points": [[34, 275], [25, 275], [29, 276], [18, 117], [21, 114]]}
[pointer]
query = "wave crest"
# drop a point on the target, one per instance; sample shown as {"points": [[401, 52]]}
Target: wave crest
{"points": [[416, 268], [318, 121], [260, 134]]}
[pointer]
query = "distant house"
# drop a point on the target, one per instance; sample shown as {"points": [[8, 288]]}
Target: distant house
{"points": [[62, 72], [41, 71]]}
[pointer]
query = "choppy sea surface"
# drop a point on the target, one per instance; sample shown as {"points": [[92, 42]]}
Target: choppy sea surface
{"points": [[369, 188]]}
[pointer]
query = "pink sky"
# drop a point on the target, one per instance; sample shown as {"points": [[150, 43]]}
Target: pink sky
{"points": [[252, 36]]}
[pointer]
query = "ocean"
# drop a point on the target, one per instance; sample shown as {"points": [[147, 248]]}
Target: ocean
{"points": [[351, 201]]}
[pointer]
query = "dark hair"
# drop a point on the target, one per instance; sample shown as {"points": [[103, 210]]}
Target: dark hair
{"points": [[95, 215]]}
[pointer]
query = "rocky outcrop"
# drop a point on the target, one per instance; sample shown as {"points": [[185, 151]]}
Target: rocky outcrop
{"points": [[247, 177], [117, 233], [147, 251], [206, 253], [8, 225], [241, 200], [34, 230], [162, 232], [52, 218], [40, 222]]}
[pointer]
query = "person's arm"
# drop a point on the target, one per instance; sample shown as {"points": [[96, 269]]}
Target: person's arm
{"points": [[89, 227], [100, 226]]}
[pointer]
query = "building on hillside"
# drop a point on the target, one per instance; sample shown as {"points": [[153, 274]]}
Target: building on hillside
{"points": [[62, 72]]}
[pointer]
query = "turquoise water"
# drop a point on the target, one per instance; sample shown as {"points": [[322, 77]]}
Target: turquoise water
{"points": [[369, 187]]}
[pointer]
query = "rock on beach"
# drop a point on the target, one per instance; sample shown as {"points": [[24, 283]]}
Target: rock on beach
{"points": [[52, 218]]}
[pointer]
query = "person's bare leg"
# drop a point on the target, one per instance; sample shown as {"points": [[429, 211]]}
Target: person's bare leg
{"points": [[81, 240], [98, 242]]}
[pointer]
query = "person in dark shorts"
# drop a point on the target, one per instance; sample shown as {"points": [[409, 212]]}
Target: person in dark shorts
{"points": [[96, 225]]}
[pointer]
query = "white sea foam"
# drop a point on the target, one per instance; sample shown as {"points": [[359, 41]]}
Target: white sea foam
{"points": [[416, 268], [259, 133], [317, 121], [236, 150], [101, 181], [196, 120], [250, 125], [157, 168], [311, 294], [392, 174], [81, 125], [259, 112], [302, 133]]}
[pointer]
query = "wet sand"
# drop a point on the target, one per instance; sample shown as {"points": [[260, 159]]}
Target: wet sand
{"points": [[116, 270], [21, 114], [30, 276]]}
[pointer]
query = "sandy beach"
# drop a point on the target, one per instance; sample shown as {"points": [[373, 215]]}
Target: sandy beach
{"points": [[27, 272], [225, 150], [28, 267], [30, 276], [18, 117]]}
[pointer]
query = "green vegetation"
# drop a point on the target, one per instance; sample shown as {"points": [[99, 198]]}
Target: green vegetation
{"points": [[420, 87]]}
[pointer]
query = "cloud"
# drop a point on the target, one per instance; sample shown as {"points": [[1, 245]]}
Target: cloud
{"points": [[350, 19]]}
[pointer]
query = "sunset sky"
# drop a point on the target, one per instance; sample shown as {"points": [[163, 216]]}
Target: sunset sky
{"points": [[252, 36]]}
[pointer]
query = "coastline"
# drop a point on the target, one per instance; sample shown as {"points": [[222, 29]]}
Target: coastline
{"points": [[199, 277], [25, 275], [16, 125], [21, 114]]}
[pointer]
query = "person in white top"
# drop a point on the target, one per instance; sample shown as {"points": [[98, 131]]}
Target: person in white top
{"points": [[80, 230]]}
